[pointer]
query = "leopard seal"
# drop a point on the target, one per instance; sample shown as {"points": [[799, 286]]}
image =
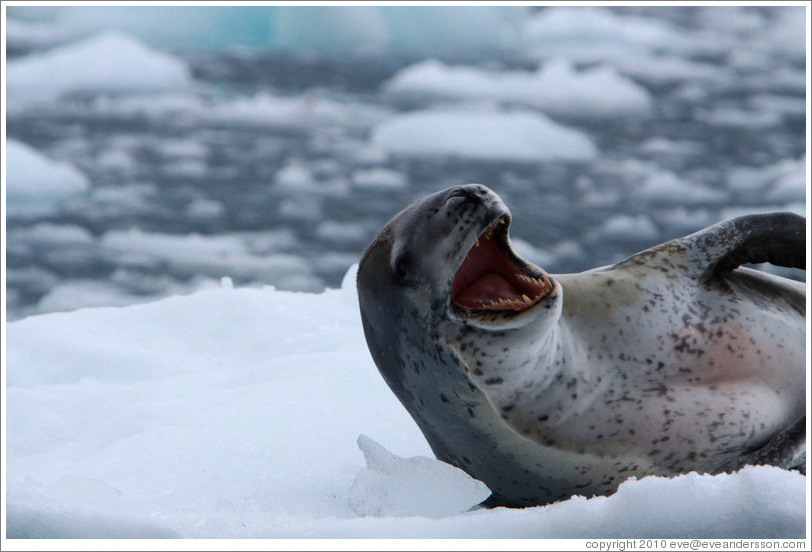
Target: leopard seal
{"points": [[548, 386]]}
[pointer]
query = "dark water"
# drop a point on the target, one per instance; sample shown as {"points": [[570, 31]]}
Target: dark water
{"points": [[559, 208]]}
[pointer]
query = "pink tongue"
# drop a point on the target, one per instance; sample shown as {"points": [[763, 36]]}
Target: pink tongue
{"points": [[488, 287]]}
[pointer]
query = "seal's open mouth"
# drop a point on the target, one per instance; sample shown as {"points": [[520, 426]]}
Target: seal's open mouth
{"points": [[493, 278]]}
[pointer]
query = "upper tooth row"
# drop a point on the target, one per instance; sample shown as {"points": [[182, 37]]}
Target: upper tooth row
{"points": [[543, 281]]}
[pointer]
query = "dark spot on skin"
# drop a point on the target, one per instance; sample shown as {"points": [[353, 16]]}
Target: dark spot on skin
{"points": [[443, 398], [493, 381]]}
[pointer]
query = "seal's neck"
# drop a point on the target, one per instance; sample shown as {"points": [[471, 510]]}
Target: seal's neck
{"points": [[502, 361]]}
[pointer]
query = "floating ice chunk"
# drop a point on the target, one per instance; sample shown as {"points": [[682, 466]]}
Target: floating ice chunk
{"points": [[737, 117], [118, 162], [668, 69], [417, 486], [786, 35], [344, 232], [295, 176], [56, 235], [626, 227], [105, 62], [728, 19], [380, 178], [204, 209], [26, 35], [193, 27], [78, 294], [414, 30], [308, 111], [301, 208], [185, 168], [180, 149], [327, 30], [779, 103], [666, 187], [733, 212], [533, 254], [758, 179], [659, 145], [37, 185], [682, 221], [520, 136], [556, 88], [213, 256], [592, 33], [163, 106], [789, 188]]}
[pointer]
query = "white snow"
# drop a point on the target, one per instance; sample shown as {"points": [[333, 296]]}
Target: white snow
{"points": [[555, 87], [110, 61], [520, 136], [36, 184], [236, 413]]}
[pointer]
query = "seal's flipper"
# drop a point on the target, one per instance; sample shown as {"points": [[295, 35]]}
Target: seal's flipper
{"points": [[782, 450], [776, 238]]}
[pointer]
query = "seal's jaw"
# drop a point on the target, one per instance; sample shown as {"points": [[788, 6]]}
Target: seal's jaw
{"points": [[493, 286]]}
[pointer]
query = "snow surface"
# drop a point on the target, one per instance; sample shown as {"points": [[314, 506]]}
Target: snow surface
{"points": [[109, 61], [521, 136], [35, 184], [239, 413]]}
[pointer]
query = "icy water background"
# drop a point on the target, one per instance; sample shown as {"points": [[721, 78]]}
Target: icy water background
{"points": [[285, 138]]}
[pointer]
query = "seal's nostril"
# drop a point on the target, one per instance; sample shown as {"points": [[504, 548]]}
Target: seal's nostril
{"points": [[471, 192], [456, 193]]}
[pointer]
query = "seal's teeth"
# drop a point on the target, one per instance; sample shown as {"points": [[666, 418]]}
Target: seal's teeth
{"points": [[476, 243], [527, 299]]}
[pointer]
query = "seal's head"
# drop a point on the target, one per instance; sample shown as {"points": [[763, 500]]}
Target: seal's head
{"points": [[449, 255]]}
